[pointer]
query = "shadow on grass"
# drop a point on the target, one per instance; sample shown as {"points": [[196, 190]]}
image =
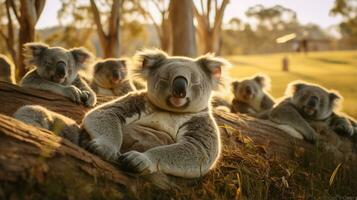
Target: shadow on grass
{"points": [[332, 61]]}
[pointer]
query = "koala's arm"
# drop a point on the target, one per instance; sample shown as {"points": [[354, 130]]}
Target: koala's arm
{"points": [[104, 123], [342, 125], [285, 113], [88, 97], [240, 107], [41, 117], [33, 80], [124, 88], [196, 150]]}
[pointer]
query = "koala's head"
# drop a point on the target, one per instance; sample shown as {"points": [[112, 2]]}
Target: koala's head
{"points": [[313, 101], [179, 84], [110, 72], [248, 90], [55, 64]]}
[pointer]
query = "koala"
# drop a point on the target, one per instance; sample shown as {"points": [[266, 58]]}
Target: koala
{"points": [[7, 70], [250, 96], [41, 117], [307, 105], [174, 111], [56, 70], [110, 78]]}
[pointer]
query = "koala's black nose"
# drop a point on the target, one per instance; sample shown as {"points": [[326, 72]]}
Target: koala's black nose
{"points": [[61, 69], [248, 90], [179, 86], [313, 100], [115, 75]]}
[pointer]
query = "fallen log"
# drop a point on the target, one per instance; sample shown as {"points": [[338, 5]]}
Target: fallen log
{"points": [[258, 160]]}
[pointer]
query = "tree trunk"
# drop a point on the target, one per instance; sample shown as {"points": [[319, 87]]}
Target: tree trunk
{"points": [[209, 34], [30, 13], [183, 31], [36, 164], [166, 35], [110, 42], [26, 34]]}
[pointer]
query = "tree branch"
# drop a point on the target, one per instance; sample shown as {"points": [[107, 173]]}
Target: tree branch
{"points": [[114, 19], [148, 15], [39, 6], [101, 34], [219, 15], [13, 6]]}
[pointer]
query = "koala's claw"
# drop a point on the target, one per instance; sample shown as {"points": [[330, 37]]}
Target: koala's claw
{"points": [[91, 101], [73, 93], [84, 96], [312, 137], [136, 162]]}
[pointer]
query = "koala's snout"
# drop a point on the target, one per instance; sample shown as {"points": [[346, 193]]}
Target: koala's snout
{"points": [[248, 90], [116, 75], [313, 100], [179, 87], [61, 69]]}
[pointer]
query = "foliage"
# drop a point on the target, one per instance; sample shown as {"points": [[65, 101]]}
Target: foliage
{"points": [[348, 27]]}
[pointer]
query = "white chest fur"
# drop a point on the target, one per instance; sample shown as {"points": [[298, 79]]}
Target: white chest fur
{"points": [[165, 122]]}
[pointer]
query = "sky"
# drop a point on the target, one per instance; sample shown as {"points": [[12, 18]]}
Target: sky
{"points": [[308, 11]]}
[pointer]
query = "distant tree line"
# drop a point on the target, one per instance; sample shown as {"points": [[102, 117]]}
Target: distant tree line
{"points": [[113, 28]]}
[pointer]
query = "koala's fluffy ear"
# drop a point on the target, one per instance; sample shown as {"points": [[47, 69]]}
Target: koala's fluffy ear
{"points": [[214, 67], [294, 87], [80, 56], [234, 86], [263, 81], [335, 99], [147, 60], [98, 66], [33, 53]]}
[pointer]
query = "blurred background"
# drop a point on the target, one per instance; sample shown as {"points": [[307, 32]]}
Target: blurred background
{"points": [[311, 40]]}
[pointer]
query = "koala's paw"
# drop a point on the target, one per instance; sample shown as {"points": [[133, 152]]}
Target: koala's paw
{"points": [[73, 93], [137, 162], [311, 137], [89, 99], [343, 129], [103, 148]]}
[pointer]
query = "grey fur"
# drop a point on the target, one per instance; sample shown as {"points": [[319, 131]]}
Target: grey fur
{"points": [[185, 139], [41, 117], [195, 137], [106, 83], [255, 103], [43, 76], [295, 111]]}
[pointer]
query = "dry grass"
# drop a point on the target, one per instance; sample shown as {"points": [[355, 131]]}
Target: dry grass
{"points": [[245, 171], [333, 70]]}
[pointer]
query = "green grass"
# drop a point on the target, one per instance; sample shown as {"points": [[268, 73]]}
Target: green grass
{"points": [[333, 70]]}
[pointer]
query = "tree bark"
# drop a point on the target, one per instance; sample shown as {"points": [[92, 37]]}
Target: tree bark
{"points": [[183, 31], [35, 163], [110, 41], [163, 30], [209, 35], [30, 13]]}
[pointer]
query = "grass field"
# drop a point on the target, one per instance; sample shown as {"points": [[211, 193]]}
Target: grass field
{"points": [[333, 70]]}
